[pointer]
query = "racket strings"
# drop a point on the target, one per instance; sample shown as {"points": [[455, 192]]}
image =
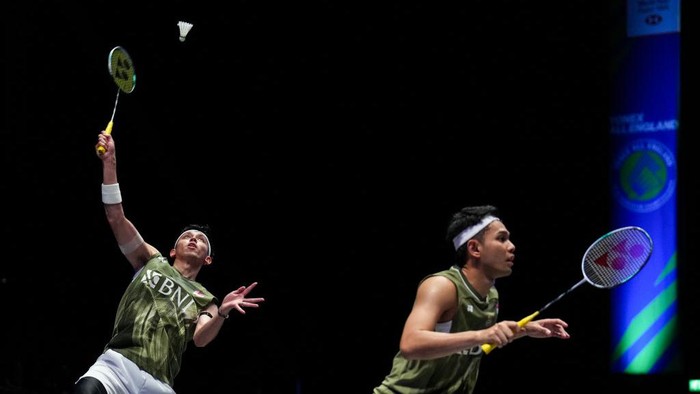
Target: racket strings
{"points": [[616, 258], [122, 69]]}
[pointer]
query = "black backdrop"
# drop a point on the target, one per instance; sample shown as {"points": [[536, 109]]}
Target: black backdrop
{"points": [[327, 144]]}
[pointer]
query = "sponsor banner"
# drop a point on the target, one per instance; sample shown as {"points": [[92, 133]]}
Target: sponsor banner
{"points": [[646, 17], [644, 124]]}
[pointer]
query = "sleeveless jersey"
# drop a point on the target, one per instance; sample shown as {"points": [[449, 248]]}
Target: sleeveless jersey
{"points": [[456, 373], [156, 318]]}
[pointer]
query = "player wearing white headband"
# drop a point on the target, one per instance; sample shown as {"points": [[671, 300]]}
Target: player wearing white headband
{"points": [[455, 312], [197, 232], [162, 309]]}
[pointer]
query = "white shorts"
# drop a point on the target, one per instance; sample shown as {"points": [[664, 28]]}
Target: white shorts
{"points": [[120, 375]]}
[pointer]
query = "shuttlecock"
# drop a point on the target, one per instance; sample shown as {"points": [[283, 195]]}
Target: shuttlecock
{"points": [[184, 29]]}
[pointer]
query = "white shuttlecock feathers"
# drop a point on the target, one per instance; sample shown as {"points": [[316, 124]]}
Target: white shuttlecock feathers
{"points": [[184, 29]]}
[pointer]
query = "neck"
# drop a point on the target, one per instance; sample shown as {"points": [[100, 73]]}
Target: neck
{"points": [[481, 283], [187, 269]]}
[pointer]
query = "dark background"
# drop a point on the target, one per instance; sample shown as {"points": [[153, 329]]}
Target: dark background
{"points": [[327, 144]]}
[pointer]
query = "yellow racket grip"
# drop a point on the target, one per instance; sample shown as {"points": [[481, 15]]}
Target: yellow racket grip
{"points": [[108, 130], [487, 347]]}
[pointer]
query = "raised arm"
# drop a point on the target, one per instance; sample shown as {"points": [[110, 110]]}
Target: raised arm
{"points": [[130, 242]]}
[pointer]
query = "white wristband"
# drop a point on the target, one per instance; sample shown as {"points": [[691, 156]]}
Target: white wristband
{"points": [[111, 194]]}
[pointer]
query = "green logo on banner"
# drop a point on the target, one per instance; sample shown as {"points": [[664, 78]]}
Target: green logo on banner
{"points": [[645, 175]]}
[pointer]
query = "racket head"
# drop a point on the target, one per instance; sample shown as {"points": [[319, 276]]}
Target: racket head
{"points": [[121, 68], [617, 257]]}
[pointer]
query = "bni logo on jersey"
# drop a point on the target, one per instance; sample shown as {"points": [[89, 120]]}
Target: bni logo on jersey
{"points": [[644, 177]]}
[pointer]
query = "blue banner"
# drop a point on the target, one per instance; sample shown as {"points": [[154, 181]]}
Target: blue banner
{"points": [[645, 109]]}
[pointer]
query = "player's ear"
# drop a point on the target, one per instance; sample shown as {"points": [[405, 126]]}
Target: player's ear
{"points": [[473, 247]]}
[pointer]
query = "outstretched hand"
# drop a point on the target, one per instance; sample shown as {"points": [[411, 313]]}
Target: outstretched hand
{"points": [[547, 328], [237, 300]]}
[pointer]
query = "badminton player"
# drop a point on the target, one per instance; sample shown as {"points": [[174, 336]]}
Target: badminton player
{"points": [[455, 312], [162, 309]]}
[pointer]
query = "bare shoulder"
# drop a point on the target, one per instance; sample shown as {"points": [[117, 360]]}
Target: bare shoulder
{"points": [[438, 295], [437, 287]]}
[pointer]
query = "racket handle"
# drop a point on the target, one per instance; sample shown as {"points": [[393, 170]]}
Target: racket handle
{"points": [[108, 130], [487, 347]]}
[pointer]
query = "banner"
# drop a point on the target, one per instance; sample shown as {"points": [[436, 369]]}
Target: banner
{"points": [[645, 107]]}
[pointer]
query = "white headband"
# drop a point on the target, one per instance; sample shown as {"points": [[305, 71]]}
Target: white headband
{"points": [[469, 232], [205, 237]]}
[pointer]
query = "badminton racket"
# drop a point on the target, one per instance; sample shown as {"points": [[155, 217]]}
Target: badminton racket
{"points": [[121, 68], [611, 260]]}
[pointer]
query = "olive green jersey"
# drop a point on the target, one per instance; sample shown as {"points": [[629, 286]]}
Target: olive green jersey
{"points": [[456, 373], [156, 318]]}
